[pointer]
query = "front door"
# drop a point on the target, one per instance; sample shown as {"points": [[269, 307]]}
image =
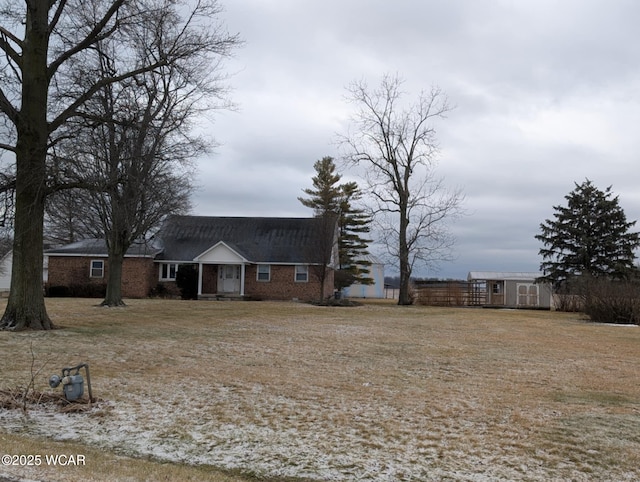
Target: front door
{"points": [[229, 278]]}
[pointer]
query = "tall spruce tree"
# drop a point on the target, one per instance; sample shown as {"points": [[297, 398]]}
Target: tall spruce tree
{"points": [[330, 199], [325, 196], [353, 250], [590, 236]]}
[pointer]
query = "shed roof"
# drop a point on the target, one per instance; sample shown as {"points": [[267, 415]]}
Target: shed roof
{"points": [[503, 275], [370, 258], [257, 239]]}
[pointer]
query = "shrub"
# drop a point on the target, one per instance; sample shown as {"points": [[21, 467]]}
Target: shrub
{"points": [[160, 291], [187, 281], [77, 291], [58, 291], [607, 301]]}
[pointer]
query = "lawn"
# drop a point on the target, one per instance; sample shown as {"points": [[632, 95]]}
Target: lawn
{"points": [[236, 391]]}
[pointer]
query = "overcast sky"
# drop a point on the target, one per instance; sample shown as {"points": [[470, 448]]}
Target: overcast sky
{"points": [[546, 93]]}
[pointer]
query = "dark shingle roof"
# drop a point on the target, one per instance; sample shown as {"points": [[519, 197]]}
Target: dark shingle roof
{"points": [[259, 240], [98, 247]]}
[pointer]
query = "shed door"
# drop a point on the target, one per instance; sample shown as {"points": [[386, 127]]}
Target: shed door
{"points": [[527, 294], [496, 292]]}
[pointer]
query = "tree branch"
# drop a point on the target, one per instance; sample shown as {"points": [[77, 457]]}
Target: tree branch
{"points": [[7, 147], [70, 111], [6, 47], [7, 108], [56, 16], [96, 34]]}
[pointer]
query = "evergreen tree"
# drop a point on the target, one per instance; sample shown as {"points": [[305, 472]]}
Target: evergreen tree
{"points": [[589, 237], [352, 247], [325, 197], [328, 198]]}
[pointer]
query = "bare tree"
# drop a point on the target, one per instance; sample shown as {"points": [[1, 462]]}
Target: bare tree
{"points": [[48, 73], [65, 217], [397, 147], [141, 172], [322, 250]]}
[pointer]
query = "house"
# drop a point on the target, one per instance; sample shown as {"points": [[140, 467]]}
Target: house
{"points": [[83, 267], [244, 257], [374, 290], [6, 265], [512, 289]]}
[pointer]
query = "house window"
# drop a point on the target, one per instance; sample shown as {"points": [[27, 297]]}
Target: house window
{"points": [[496, 288], [97, 268], [264, 272], [302, 273], [168, 271]]}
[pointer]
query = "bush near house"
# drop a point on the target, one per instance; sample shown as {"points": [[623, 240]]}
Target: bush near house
{"points": [[187, 281], [76, 291]]}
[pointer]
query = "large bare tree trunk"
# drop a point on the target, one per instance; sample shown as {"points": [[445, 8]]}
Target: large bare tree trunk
{"points": [[25, 308], [113, 296], [404, 296]]}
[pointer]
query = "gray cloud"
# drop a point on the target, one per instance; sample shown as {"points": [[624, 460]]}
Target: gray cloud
{"points": [[546, 93]]}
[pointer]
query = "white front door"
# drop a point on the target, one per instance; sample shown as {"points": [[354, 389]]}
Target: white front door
{"points": [[229, 278]]}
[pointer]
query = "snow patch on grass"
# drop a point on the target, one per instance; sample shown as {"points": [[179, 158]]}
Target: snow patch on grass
{"points": [[374, 394]]}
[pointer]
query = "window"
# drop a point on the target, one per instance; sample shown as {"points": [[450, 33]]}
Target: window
{"points": [[97, 268], [264, 272], [302, 273], [168, 271], [229, 271]]}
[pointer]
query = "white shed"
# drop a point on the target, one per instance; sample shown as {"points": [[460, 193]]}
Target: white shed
{"points": [[375, 290], [513, 289]]}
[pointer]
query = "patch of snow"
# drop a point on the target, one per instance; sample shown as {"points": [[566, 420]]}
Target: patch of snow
{"points": [[297, 441]]}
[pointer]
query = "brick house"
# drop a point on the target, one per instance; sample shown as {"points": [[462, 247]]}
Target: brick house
{"points": [[237, 257], [85, 264]]}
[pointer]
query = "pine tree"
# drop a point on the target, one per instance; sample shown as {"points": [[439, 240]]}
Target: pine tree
{"points": [[353, 223], [328, 198], [589, 236], [325, 198]]}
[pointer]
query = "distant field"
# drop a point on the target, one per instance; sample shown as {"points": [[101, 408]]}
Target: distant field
{"points": [[288, 391]]}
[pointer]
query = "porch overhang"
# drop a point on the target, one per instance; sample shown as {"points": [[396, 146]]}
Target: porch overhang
{"points": [[221, 253]]}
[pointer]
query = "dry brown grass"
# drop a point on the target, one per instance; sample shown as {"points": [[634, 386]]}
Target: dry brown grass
{"points": [[377, 392]]}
